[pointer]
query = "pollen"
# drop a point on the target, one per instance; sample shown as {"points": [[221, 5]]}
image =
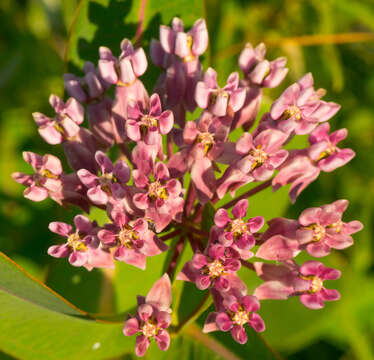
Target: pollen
{"points": [[207, 139], [292, 111], [259, 157], [240, 317], [238, 227], [75, 242], [149, 329], [215, 269]]}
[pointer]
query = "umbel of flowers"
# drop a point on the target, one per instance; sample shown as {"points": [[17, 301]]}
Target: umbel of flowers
{"points": [[145, 191]]}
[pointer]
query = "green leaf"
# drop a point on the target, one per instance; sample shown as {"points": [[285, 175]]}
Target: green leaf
{"points": [[36, 323]]}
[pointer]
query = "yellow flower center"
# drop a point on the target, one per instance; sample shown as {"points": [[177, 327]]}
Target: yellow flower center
{"points": [[207, 139], [46, 173], [238, 227], [75, 242], [241, 317], [292, 111], [319, 232], [157, 191], [126, 236], [214, 269], [189, 57], [216, 93], [106, 180], [315, 285], [259, 156], [337, 226], [150, 329]]}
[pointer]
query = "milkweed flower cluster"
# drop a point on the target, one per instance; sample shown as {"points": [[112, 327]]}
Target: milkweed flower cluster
{"points": [[154, 173]]}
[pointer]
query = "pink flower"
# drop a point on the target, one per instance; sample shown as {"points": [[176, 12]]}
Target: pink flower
{"points": [[322, 228], [82, 246], [314, 272], [323, 149], [260, 71], [210, 269], [161, 198], [131, 240], [307, 281], [152, 318], [46, 179], [234, 313], [258, 158], [100, 187], [236, 232], [148, 126], [300, 109], [219, 101], [261, 155], [64, 125]]}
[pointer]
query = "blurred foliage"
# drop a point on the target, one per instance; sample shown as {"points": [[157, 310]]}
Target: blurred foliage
{"points": [[33, 39]]}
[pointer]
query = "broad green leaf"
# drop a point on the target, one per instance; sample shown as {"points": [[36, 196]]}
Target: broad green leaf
{"points": [[36, 323]]}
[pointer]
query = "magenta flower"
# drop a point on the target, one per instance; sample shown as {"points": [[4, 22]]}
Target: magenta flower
{"points": [[219, 101], [210, 269], [314, 272], [307, 281], [100, 187], [237, 232], [148, 126], [46, 179], [64, 125], [261, 155], [131, 241], [260, 71], [322, 228], [82, 246], [152, 318], [300, 109], [161, 199], [234, 313], [323, 149]]}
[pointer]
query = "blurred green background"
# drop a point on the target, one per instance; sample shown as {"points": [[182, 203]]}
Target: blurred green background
{"points": [[33, 40]]}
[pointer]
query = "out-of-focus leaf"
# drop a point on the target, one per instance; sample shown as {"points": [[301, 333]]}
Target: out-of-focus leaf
{"points": [[35, 322]]}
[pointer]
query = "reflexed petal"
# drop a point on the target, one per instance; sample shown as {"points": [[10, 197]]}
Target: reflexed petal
{"points": [[59, 251], [131, 327], [60, 228], [250, 303], [199, 261], [310, 216], [329, 294], [221, 218], [104, 162], [224, 322], [78, 258], [97, 195], [87, 178], [145, 311], [203, 282], [239, 335], [83, 224], [53, 164], [35, 193], [240, 208], [255, 224], [312, 301], [163, 319], [122, 171], [311, 267], [142, 344], [210, 323], [163, 340], [318, 249], [166, 122], [257, 323]]}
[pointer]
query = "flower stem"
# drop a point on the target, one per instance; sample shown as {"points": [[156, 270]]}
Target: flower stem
{"points": [[247, 194], [170, 235], [174, 259]]}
